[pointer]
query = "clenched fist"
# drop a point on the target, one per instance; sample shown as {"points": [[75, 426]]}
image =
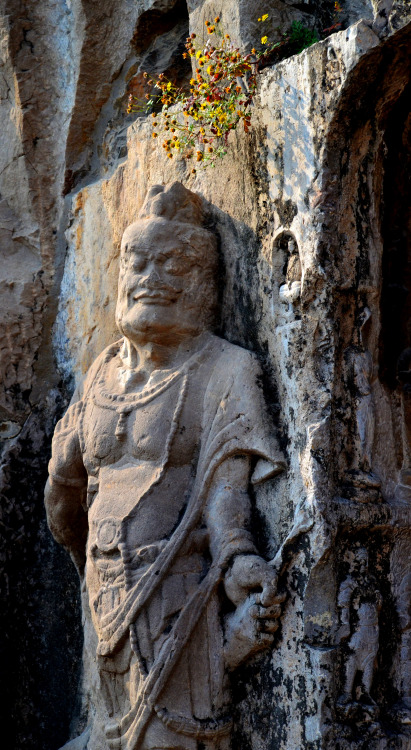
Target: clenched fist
{"points": [[250, 584]]}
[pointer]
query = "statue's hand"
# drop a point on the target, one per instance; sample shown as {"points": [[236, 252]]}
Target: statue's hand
{"points": [[251, 584], [249, 629], [250, 573]]}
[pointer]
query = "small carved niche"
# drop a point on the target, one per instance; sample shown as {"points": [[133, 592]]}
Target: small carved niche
{"points": [[287, 275]]}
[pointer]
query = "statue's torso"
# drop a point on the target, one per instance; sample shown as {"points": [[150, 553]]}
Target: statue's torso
{"points": [[140, 454]]}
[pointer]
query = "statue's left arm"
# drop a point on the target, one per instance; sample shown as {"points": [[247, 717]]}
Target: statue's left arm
{"points": [[244, 448], [250, 583]]}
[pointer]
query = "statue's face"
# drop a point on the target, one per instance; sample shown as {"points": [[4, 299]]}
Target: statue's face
{"points": [[159, 280]]}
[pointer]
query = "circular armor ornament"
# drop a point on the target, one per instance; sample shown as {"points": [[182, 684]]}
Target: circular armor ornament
{"points": [[108, 534]]}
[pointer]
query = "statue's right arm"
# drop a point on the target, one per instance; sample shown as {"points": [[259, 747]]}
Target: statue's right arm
{"points": [[66, 488]]}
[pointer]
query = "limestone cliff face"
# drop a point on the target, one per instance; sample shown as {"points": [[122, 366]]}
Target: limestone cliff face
{"points": [[326, 167]]}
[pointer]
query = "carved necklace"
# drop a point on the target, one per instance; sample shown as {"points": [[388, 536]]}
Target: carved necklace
{"points": [[124, 404]]}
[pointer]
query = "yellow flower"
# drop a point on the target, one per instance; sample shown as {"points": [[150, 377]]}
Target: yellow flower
{"points": [[169, 86], [264, 17], [210, 69], [264, 40], [192, 81], [198, 54]]}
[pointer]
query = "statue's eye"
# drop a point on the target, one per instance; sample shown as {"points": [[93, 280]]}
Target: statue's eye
{"points": [[139, 263], [177, 266]]}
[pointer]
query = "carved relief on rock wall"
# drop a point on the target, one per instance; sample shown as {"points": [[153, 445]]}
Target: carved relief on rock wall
{"points": [[287, 275], [149, 491], [359, 604]]}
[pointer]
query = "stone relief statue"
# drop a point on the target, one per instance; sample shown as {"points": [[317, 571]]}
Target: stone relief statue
{"points": [[363, 376], [290, 291], [148, 490], [359, 604]]}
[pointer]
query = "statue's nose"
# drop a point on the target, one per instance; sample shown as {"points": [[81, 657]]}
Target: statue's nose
{"points": [[152, 276]]}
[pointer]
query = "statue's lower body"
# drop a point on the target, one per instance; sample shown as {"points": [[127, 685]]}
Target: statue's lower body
{"points": [[180, 715]]}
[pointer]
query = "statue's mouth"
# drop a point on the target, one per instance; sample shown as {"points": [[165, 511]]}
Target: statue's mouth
{"points": [[156, 296]]}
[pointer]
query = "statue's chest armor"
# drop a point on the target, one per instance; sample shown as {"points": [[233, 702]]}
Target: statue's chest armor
{"points": [[141, 466], [140, 431]]}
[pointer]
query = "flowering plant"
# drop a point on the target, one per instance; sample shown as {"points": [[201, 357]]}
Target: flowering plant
{"points": [[221, 91], [220, 97]]}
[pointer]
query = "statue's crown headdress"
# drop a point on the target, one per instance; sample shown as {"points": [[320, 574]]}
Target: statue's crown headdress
{"points": [[173, 202]]}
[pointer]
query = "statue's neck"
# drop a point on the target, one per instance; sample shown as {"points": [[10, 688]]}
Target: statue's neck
{"points": [[140, 361]]}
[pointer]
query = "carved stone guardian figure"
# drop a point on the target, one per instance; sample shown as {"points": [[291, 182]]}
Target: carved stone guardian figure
{"points": [[359, 603], [148, 490]]}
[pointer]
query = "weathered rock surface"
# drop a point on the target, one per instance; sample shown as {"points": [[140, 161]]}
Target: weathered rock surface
{"points": [[325, 170]]}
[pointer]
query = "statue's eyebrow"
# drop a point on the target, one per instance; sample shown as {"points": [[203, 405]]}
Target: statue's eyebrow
{"points": [[179, 250]]}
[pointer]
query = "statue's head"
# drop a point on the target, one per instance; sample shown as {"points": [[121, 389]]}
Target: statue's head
{"points": [[361, 560], [168, 266]]}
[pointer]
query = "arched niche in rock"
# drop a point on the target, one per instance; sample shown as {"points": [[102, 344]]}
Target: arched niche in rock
{"points": [[366, 248], [286, 277]]}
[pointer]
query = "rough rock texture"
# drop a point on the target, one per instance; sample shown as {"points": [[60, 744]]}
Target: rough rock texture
{"points": [[325, 171]]}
